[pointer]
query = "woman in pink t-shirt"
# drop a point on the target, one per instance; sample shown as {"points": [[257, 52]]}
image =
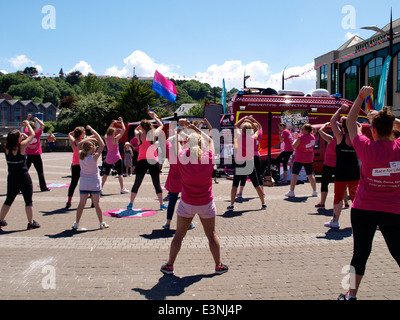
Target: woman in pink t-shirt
{"points": [[303, 157], [328, 169], [284, 156], [113, 157], [377, 200], [196, 164], [174, 179], [148, 158], [75, 137], [34, 152]]}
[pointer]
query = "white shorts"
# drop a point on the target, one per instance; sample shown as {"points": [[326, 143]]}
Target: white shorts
{"points": [[207, 211]]}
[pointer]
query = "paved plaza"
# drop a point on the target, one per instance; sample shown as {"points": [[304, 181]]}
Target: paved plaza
{"points": [[281, 253]]}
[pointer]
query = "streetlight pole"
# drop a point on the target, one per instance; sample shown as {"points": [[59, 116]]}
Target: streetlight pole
{"points": [[283, 78], [390, 54]]}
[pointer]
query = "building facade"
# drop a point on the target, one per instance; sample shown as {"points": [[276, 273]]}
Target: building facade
{"points": [[13, 112], [359, 62]]}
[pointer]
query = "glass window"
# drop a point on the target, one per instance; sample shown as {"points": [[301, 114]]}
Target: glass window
{"points": [[351, 77], [324, 77], [17, 115], [398, 72], [4, 116], [334, 78], [374, 74]]}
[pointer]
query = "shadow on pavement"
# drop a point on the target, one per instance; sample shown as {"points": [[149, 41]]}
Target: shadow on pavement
{"points": [[170, 286]]}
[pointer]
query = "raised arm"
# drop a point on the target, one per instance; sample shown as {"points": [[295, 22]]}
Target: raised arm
{"points": [[121, 133], [327, 137], [99, 141], [352, 117], [158, 121], [40, 122], [334, 120], [29, 139]]}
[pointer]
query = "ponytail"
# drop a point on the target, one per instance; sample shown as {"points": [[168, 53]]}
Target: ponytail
{"points": [[383, 122], [86, 147], [194, 142]]}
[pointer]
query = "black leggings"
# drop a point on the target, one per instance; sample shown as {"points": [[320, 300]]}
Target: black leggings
{"points": [[254, 175], [364, 225], [257, 167], [38, 164], [141, 168], [283, 158], [19, 183], [327, 173], [76, 174], [173, 198]]}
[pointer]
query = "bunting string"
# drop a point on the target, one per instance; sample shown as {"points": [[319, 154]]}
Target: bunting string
{"points": [[365, 48]]}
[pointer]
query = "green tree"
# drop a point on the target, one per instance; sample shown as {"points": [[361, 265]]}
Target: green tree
{"points": [[64, 87], [27, 91], [74, 78], [196, 111], [95, 109], [51, 92], [133, 101], [7, 80], [92, 84]]}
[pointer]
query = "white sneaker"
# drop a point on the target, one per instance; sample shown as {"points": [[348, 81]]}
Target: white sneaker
{"points": [[290, 194], [314, 194], [332, 224], [103, 225], [75, 226], [124, 191]]}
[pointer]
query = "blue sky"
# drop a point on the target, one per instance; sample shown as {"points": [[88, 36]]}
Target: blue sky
{"points": [[209, 40]]}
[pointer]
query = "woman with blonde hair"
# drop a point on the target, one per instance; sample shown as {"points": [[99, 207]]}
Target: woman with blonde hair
{"points": [[246, 133], [196, 165], [90, 182]]}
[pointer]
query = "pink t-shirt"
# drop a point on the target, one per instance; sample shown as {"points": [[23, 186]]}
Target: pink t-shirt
{"points": [[135, 144], [75, 156], [379, 186], [196, 177], [113, 154], [305, 151], [174, 180], [330, 153], [148, 151], [257, 143], [287, 140], [35, 147]]}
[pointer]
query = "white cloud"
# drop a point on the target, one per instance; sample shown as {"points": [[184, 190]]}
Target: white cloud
{"points": [[84, 67], [144, 66], [232, 71], [260, 76], [349, 35], [22, 61]]}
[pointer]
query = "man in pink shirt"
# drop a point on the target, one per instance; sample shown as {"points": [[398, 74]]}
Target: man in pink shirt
{"points": [[303, 157]]}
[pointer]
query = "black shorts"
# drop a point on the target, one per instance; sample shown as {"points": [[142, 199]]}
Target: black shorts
{"points": [[298, 165], [117, 167]]}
